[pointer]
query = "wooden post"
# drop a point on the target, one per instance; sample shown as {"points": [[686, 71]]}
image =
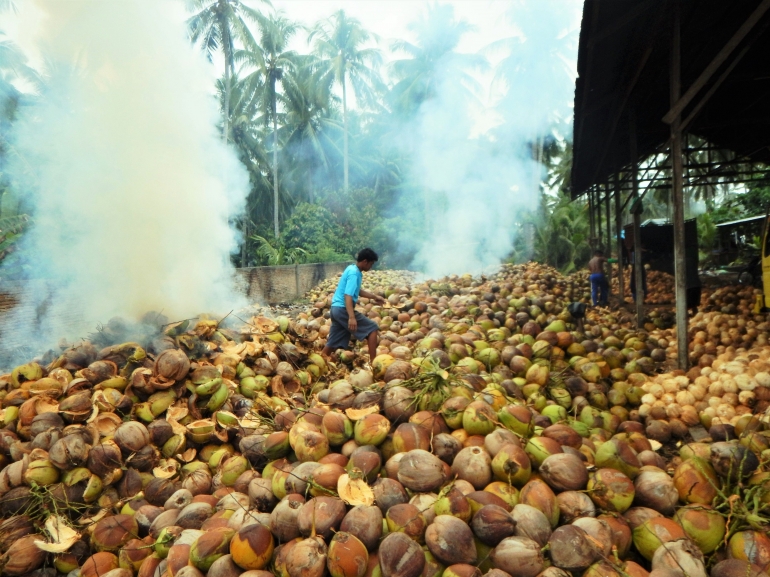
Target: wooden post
{"points": [[636, 210], [591, 217], [618, 229], [677, 198], [607, 192], [608, 244], [598, 215]]}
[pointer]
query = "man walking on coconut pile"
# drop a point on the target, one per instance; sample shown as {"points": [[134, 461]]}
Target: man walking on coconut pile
{"points": [[600, 288], [346, 322]]}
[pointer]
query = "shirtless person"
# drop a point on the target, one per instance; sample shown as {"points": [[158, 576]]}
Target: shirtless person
{"points": [[600, 288]]}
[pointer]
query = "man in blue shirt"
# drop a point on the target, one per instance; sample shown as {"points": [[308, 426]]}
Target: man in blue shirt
{"points": [[346, 322]]}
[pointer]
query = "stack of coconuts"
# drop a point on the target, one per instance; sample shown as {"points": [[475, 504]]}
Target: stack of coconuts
{"points": [[488, 437], [660, 286]]}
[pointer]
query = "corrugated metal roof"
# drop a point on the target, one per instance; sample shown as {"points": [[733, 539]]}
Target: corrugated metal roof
{"points": [[742, 220], [623, 65]]}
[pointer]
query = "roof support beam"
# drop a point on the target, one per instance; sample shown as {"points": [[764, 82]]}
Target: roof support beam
{"points": [[722, 77], [607, 195], [636, 209], [681, 102], [677, 199], [702, 102]]}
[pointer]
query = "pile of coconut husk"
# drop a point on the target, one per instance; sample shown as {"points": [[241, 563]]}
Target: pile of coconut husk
{"points": [[489, 436]]}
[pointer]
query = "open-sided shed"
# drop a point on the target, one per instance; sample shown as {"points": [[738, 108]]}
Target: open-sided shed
{"points": [[650, 72]]}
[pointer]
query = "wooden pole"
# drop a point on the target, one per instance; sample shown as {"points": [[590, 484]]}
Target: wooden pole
{"points": [[591, 216], [636, 209], [607, 193], [598, 207], [677, 199], [608, 244], [618, 229]]}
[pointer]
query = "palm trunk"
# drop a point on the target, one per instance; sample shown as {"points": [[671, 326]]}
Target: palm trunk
{"points": [[275, 168], [226, 112], [310, 194], [226, 135], [345, 133], [228, 67]]}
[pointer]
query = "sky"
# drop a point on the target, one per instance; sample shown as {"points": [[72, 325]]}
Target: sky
{"points": [[388, 19]]}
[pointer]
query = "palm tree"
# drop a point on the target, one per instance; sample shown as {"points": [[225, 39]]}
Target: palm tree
{"points": [[246, 132], [309, 124], [271, 61], [557, 158], [217, 24], [11, 229], [248, 137], [561, 233], [278, 254], [538, 56], [431, 59], [338, 43]]}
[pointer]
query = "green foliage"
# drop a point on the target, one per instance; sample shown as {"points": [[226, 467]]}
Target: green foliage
{"points": [[707, 234], [560, 232], [357, 213], [327, 180], [13, 225], [313, 228], [431, 58], [755, 201], [342, 59], [315, 233], [275, 254]]}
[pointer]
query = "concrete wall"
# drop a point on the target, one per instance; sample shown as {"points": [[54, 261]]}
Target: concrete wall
{"points": [[278, 284], [19, 338], [271, 284]]}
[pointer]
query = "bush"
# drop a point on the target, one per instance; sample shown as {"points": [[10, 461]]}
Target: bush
{"points": [[314, 229]]}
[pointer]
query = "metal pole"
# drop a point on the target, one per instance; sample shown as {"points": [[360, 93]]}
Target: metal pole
{"points": [[618, 228], [677, 185], [637, 212]]}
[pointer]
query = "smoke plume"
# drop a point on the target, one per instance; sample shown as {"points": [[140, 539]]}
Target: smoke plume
{"points": [[476, 189], [131, 186]]}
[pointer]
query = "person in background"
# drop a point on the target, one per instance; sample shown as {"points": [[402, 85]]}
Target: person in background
{"points": [[346, 322], [600, 288], [692, 285]]}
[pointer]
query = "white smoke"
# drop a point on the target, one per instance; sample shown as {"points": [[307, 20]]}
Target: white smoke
{"points": [[477, 189], [131, 184]]}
